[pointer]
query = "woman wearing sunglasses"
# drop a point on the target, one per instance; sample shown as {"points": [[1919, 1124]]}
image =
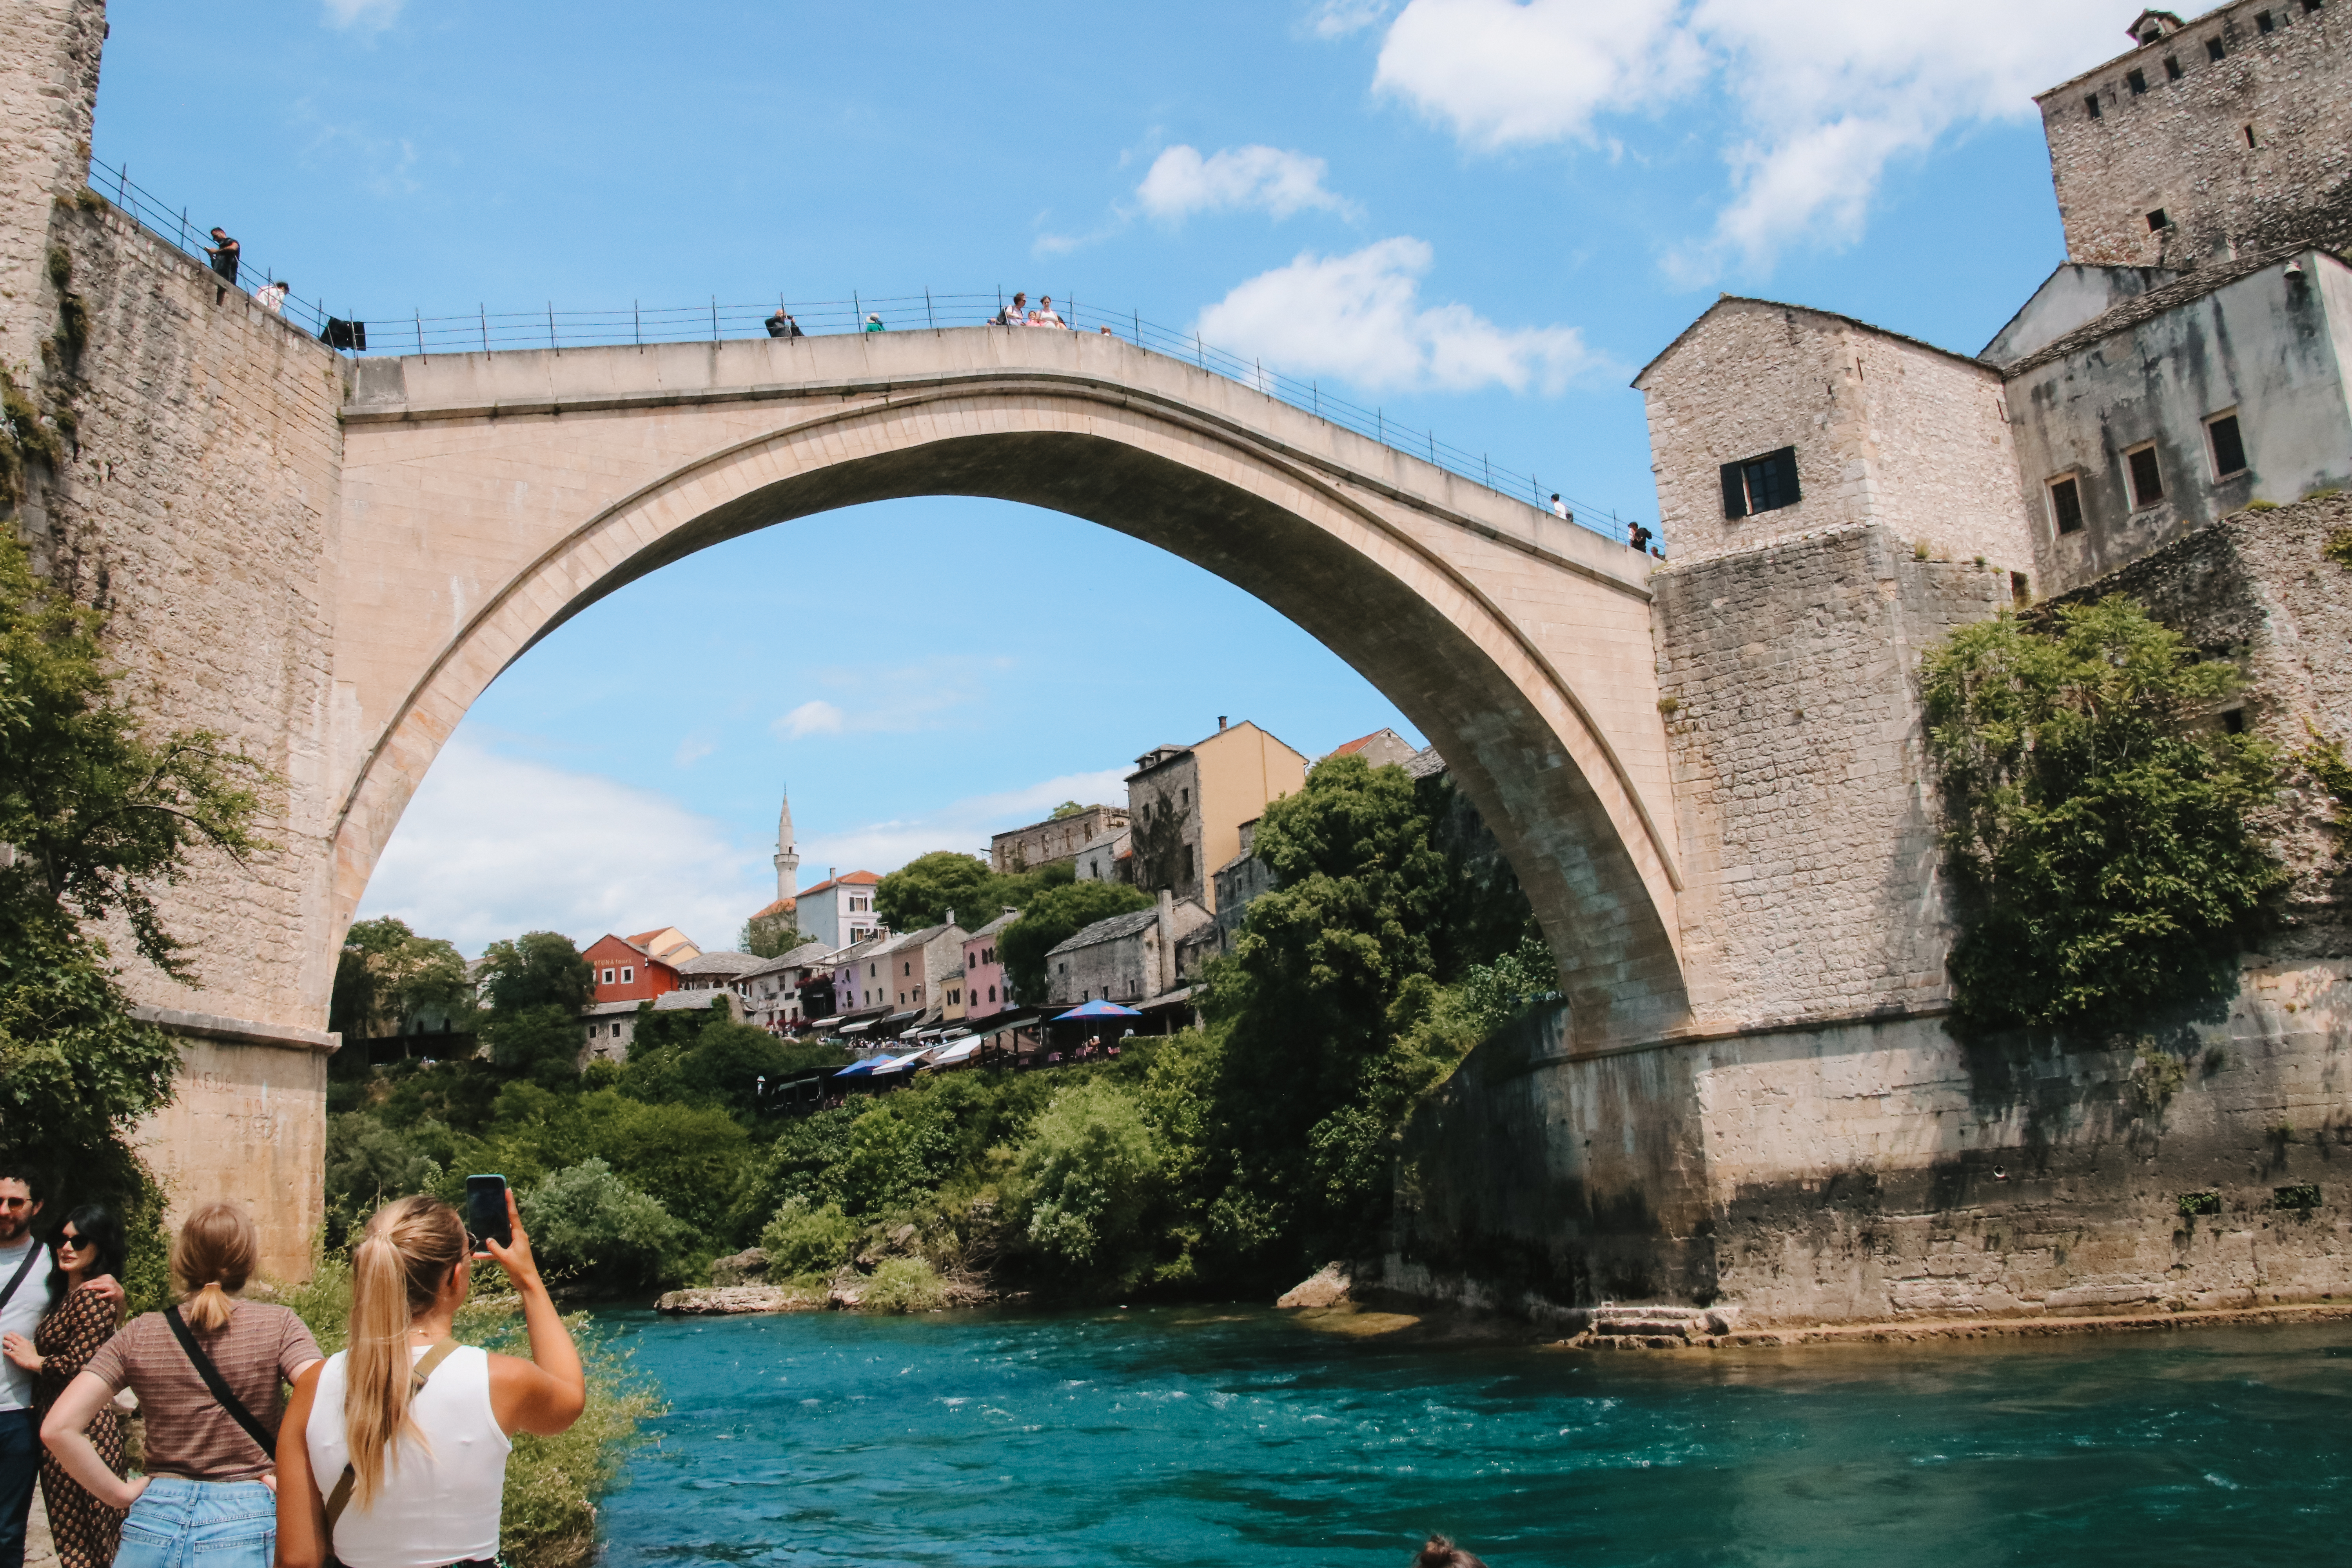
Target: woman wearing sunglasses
{"points": [[85, 1306]]}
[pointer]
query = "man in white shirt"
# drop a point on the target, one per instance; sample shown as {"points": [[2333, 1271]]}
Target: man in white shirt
{"points": [[272, 297], [23, 1284], [1560, 508]]}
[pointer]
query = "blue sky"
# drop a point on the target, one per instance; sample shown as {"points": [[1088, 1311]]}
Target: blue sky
{"points": [[1483, 216]]}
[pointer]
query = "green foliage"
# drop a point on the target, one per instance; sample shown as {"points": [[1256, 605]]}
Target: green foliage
{"points": [[717, 1062], [2323, 759], [387, 975], [899, 1151], [903, 1285], [1085, 1176], [770, 936], [1493, 995], [368, 1165], [920, 893], [544, 1041], [808, 1239], [2300, 1195], [588, 1225], [538, 969], [1066, 810], [804, 1160], [2156, 1076], [2339, 547], [1050, 918], [2100, 848], [2190, 1204]]}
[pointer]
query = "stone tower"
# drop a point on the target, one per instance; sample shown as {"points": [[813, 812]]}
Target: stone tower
{"points": [[788, 856]]}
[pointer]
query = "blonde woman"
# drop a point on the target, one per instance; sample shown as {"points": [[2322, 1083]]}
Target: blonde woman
{"points": [[395, 1451], [207, 1372]]}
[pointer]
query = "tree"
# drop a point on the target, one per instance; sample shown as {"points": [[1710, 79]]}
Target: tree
{"points": [[1053, 917], [2102, 849], [586, 1224], [387, 974], [542, 1043], [100, 814], [769, 935], [1068, 810], [538, 969], [922, 891], [1088, 1171]]}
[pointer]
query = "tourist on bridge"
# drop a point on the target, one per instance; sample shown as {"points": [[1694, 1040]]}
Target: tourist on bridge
{"points": [[396, 1451], [873, 323], [1638, 537], [1560, 509], [224, 252], [1013, 315], [782, 325], [206, 1371], [84, 1304], [272, 296], [1044, 316]]}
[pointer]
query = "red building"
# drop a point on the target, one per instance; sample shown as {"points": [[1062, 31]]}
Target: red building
{"points": [[638, 968]]}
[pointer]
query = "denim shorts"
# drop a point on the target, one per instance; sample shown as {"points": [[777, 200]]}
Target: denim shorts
{"points": [[181, 1523]]}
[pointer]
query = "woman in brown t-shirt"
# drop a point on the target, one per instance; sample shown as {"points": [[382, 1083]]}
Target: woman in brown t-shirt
{"points": [[207, 1487]]}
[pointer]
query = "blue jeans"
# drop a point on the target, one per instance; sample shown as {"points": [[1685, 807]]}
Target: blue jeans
{"points": [[181, 1523], [20, 1466]]}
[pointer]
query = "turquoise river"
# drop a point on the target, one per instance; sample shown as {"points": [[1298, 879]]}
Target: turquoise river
{"points": [[1183, 1437]]}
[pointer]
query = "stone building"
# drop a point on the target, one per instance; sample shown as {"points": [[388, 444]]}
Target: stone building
{"points": [[1236, 884], [1055, 840], [839, 911], [1379, 748], [1189, 803], [1127, 959], [1109, 859], [773, 990], [724, 970], [2205, 137], [912, 970]]}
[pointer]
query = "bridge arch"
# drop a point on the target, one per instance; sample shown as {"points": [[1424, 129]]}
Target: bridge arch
{"points": [[488, 498]]}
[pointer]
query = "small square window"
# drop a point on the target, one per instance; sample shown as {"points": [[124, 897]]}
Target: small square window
{"points": [[2158, 222], [2091, 105], [2229, 446], [2137, 81], [1760, 484], [629, 976], [2215, 49], [2172, 71], [2066, 504], [608, 977], [2264, 22], [2147, 478]]}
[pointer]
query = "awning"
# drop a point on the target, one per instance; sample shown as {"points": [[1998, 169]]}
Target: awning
{"points": [[962, 1051], [825, 1023], [856, 1069], [858, 1028], [906, 1063], [1099, 1010]]}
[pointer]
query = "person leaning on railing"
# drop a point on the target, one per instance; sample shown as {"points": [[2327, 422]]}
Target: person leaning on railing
{"points": [[395, 1451]]}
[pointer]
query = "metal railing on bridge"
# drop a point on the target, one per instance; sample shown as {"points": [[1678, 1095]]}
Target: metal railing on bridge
{"points": [[716, 321]]}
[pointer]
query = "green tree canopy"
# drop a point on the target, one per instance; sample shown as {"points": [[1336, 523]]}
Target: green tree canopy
{"points": [[920, 892], [1068, 810], [1050, 918], [538, 969], [770, 936], [101, 812], [2100, 845], [387, 974]]}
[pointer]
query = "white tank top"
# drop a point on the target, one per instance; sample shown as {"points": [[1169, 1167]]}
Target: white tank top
{"points": [[435, 1507]]}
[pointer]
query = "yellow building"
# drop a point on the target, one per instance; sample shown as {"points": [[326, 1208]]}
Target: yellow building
{"points": [[1186, 805]]}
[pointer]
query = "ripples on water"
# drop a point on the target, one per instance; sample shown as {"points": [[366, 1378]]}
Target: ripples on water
{"points": [[1189, 1436]]}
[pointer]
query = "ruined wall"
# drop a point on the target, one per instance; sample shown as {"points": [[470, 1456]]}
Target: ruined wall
{"points": [[48, 85], [2273, 348], [2181, 145], [1809, 858], [1887, 431]]}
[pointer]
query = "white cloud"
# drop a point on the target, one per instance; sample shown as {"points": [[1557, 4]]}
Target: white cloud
{"points": [[493, 846], [1337, 19], [1825, 92], [368, 16], [1359, 318], [963, 825], [1180, 182], [817, 717], [692, 749]]}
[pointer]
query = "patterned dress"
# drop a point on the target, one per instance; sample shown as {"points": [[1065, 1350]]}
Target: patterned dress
{"points": [[86, 1530]]}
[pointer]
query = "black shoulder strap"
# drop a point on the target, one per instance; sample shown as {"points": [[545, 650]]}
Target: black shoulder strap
{"points": [[263, 1438], [32, 1256]]}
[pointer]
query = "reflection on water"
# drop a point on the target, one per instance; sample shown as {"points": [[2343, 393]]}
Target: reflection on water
{"points": [[1188, 1436]]}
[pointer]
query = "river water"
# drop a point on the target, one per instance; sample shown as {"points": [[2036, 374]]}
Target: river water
{"points": [[1184, 1437]]}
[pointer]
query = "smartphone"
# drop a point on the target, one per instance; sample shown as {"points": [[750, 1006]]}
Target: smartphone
{"points": [[486, 1211]]}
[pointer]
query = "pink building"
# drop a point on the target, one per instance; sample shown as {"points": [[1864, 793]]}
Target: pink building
{"points": [[985, 994]]}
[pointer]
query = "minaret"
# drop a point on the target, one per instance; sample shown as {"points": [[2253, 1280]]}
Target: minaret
{"points": [[788, 856]]}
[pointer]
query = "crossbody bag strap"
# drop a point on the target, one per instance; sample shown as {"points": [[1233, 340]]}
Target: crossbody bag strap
{"points": [[340, 1497], [263, 1438], [32, 1256]]}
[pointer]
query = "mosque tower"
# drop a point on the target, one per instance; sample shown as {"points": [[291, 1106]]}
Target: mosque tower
{"points": [[788, 856]]}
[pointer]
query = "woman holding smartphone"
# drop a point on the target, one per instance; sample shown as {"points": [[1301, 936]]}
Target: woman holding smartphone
{"points": [[394, 1452]]}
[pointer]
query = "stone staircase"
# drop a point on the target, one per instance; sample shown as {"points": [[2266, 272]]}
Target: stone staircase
{"points": [[1615, 1326]]}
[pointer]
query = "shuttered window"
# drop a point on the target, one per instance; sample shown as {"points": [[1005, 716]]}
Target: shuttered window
{"points": [[1760, 484]]}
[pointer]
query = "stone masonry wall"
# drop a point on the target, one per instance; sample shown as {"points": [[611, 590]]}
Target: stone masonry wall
{"points": [[48, 85], [1886, 430], [2181, 145], [1808, 853]]}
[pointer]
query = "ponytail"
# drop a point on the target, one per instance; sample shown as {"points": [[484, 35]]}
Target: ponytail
{"points": [[212, 1258], [396, 1273]]}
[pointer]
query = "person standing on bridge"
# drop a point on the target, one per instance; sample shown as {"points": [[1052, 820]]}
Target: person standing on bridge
{"points": [[271, 297], [1016, 314], [224, 253], [1560, 509], [782, 325], [873, 323], [396, 1451], [1044, 316]]}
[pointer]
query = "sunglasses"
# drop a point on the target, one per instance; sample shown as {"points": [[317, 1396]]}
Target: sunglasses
{"points": [[14, 1203], [76, 1242]]}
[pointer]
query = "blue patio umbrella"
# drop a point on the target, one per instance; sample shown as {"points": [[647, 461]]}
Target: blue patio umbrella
{"points": [[1099, 1010], [856, 1069]]}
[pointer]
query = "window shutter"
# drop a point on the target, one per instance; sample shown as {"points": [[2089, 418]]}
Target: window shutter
{"points": [[1735, 492], [1787, 459]]}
